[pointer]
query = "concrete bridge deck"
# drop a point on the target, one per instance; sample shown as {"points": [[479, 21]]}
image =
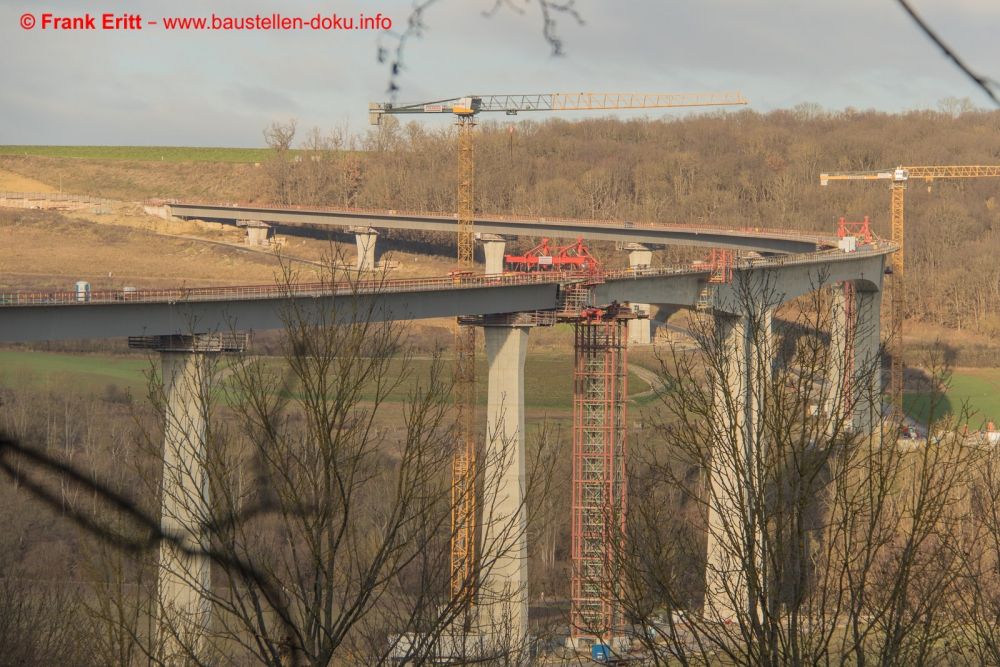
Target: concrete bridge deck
{"points": [[30, 316], [748, 238]]}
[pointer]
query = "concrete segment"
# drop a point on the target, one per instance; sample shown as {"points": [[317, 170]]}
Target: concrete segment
{"points": [[185, 612], [503, 595]]}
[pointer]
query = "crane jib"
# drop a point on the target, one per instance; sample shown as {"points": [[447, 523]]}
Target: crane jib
{"points": [[511, 104]]}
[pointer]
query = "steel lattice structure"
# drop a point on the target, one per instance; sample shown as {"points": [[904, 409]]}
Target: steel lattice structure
{"points": [[463, 492], [598, 502]]}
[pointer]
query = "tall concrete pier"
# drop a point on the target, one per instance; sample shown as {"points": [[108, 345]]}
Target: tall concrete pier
{"points": [[503, 594], [867, 400], [184, 573], [732, 529]]}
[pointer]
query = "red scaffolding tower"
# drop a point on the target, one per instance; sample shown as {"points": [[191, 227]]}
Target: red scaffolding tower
{"points": [[599, 502]]}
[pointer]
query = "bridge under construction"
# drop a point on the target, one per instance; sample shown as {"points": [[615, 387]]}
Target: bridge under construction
{"points": [[188, 325]]}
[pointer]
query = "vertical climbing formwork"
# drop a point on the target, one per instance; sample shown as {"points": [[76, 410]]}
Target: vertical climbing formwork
{"points": [[598, 522]]}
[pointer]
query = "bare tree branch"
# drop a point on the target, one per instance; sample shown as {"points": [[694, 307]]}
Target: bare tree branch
{"points": [[983, 82]]}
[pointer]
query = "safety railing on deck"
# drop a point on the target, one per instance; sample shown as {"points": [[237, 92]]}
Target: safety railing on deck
{"points": [[257, 292]]}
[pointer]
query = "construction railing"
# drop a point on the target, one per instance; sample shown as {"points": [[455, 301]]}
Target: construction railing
{"points": [[257, 292]]}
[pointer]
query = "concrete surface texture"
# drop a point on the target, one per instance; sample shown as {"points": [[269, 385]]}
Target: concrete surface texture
{"points": [[640, 330], [503, 598], [493, 249], [366, 249], [184, 611]]}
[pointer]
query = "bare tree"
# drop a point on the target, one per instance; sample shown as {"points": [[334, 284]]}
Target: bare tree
{"points": [[822, 539]]}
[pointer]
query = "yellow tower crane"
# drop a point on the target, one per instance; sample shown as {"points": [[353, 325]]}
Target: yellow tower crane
{"points": [[898, 178], [465, 110]]}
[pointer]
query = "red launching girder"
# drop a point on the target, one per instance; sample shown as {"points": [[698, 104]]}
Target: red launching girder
{"points": [[547, 257], [857, 229]]}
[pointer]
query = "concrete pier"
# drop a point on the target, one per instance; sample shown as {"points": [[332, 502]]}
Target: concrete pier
{"points": [[734, 530], [257, 231], [867, 360], [365, 238], [503, 595], [639, 330], [493, 249], [836, 400], [184, 577]]}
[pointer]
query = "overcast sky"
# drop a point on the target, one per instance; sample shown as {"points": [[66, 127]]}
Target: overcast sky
{"points": [[186, 88]]}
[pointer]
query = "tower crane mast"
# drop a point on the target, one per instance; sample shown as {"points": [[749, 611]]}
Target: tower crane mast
{"points": [[898, 179], [465, 109]]}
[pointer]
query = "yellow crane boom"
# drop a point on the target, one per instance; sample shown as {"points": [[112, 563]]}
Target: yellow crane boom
{"points": [[512, 104], [898, 179]]}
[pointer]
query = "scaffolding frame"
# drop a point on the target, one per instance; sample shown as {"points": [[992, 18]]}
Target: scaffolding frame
{"points": [[599, 490]]}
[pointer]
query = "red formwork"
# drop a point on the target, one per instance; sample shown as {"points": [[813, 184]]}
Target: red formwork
{"points": [[599, 501]]}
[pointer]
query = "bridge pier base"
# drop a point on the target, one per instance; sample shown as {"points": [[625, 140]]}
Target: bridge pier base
{"points": [[640, 330], [503, 594]]}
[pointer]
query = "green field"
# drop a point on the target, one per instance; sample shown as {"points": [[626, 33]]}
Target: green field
{"points": [[548, 381], [145, 153], [84, 373], [977, 388]]}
